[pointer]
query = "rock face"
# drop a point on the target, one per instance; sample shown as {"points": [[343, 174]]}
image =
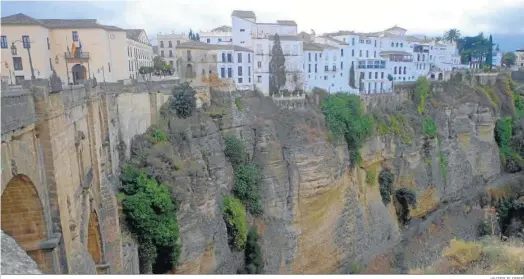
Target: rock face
{"points": [[15, 260], [320, 215]]}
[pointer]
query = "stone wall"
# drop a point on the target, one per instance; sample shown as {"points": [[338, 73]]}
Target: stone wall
{"points": [[62, 149]]}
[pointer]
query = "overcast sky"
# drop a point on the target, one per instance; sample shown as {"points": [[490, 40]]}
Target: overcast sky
{"points": [[500, 17]]}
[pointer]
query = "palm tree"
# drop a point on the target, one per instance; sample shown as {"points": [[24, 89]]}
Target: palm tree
{"points": [[452, 35]]}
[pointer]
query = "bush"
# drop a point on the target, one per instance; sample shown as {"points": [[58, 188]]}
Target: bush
{"points": [[404, 197], [421, 93], [235, 216], [385, 181], [429, 127], [238, 103], [246, 187], [253, 254], [503, 131], [345, 119], [235, 150], [151, 215], [159, 136], [184, 101], [371, 177]]}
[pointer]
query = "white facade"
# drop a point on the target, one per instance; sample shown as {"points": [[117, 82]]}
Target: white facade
{"points": [[216, 38], [139, 51], [167, 44], [236, 64]]}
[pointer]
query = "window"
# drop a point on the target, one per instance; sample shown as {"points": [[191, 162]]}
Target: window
{"points": [[382, 75], [360, 54], [368, 42], [48, 46], [375, 43], [367, 53], [4, 42], [353, 41], [361, 41], [240, 70], [239, 57], [229, 57], [249, 58], [203, 71], [75, 36], [162, 53], [259, 79], [315, 68], [208, 40], [316, 56], [309, 56], [375, 54], [25, 42], [170, 53], [161, 43], [376, 75], [17, 63], [240, 80], [242, 30], [129, 65], [249, 72], [326, 68], [188, 55], [249, 79], [222, 72], [392, 44], [229, 72], [342, 65], [341, 52], [109, 67], [325, 77], [370, 75], [395, 71], [396, 45], [259, 64], [404, 70], [170, 44], [219, 39], [309, 68], [353, 52], [401, 44], [223, 57]]}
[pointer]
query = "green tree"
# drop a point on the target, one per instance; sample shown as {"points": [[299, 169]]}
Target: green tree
{"points": [[277, 67], [452, 35], [390, 78], [352, 75], [385, 181], [158, 63], [197, 37], [235, 151], [489, 57], [509, 59], [246, 188], [184, 101], [190, 35], [253, 254]]}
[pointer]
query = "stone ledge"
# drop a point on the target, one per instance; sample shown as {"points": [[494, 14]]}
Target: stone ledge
{"points": [[48, 244]]}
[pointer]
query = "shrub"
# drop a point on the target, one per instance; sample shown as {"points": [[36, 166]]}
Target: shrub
{"points": [[235, 150], [461, 254], [151, 215], [238, 103], [385, 181], [253, 254], [371, 177], [404, 197], [184, 101], [246, 187], [421, 93], [159, 136], [429, 127], [345, 119], [235, 216]]}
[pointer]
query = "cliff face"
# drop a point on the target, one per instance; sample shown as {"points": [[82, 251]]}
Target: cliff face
{"points": [[320, 215]]}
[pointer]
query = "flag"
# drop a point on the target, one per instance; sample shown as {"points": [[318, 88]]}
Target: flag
{"points": [[80, 47], [73, 49]]}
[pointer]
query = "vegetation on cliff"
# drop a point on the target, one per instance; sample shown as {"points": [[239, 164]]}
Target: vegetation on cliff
{"points": [[151, 215], [234, 214], [253, 262], [385, 181], [421, 93], [345, 119], [184, 102]]}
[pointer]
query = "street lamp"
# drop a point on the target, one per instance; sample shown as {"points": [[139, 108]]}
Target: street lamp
{"points": [[26, 45]]}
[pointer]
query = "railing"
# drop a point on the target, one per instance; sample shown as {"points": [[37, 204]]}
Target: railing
{"points": [[371, 66], [78, 55]]}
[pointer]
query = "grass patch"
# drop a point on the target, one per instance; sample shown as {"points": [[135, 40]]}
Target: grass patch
{"points": [[371, 176], [429, 127], [461, 254], [393, 125], [234, 214]]}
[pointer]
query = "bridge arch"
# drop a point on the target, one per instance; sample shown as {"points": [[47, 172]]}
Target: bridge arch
{"points": [[94, 241], [23, 219]]}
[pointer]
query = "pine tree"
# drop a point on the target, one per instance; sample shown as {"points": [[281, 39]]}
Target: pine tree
{"points": [[489, 57], [277, 67], [352, 75]]}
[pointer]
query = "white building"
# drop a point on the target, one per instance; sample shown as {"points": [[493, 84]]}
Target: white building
{"points": [[139, 51], [167, 46], [497, 58], [220, 35]]}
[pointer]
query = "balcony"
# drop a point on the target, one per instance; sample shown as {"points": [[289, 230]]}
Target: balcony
{"points": [[77, 56]]}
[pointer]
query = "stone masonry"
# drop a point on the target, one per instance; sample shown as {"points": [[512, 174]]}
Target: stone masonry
{"points": [[61, 153]]}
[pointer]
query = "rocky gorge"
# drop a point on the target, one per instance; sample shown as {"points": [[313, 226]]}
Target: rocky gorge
{"points": [[321, 212]]}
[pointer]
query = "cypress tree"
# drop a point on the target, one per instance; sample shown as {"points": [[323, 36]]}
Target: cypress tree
{"points": [[277, 67], [489, 57], [352, 75]]}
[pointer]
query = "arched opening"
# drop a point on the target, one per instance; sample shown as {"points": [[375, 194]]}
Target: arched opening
{"points": [[23, 219], [440, 76], [405, 69], [189, 71], [94, 240], [79, 73], [395, 71]]}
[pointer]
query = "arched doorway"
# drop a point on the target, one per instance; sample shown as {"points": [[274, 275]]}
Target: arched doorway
{"points": [[79, 73], [23, 219], [94, 240], [440, 76]]}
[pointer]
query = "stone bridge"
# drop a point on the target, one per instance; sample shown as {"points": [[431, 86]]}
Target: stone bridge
{"points": [[61, 153]]}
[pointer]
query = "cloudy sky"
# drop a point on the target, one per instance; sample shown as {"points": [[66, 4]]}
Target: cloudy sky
{"points": [[502, 18]]}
